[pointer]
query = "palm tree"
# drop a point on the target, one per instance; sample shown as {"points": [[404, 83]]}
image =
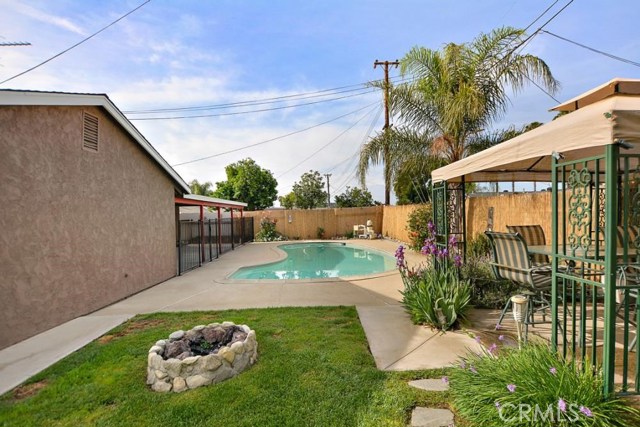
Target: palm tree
{"points": [[452, 96], [202, 189]]}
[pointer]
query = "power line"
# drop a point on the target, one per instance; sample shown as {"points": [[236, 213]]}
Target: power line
{"points": [[261, 101], [609, 55], [541, 15], [262, 110], [274, 139], [327, 144], [75, 45]]}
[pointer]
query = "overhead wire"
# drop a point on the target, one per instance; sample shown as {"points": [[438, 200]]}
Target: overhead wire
{"points": [[353, 158], [262, 101], [327, 144], [276, 138], [75, 45], [261, 110], [609, 55]]}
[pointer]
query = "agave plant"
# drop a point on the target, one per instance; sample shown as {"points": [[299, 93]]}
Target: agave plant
{"points": [[436, 297]]}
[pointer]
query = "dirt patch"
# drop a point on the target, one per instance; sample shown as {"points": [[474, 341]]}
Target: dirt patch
{"points": [[131, 327], [28, 390]]}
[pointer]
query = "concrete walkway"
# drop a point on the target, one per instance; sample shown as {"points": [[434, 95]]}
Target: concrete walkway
{"points": [[396, 344]]}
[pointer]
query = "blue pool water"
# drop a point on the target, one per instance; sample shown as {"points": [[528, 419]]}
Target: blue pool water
{"points": [[320, 260]]}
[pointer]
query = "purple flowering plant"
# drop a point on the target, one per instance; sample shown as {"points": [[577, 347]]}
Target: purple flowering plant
{"points": [[537, 383], [434, 293]]}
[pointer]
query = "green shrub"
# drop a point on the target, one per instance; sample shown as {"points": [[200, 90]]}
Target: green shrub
{"points": [[268, 231], [479, 246], [533, 387], [417, 225], [486, 290], [320, 233], [435, 297], [349, 235]]}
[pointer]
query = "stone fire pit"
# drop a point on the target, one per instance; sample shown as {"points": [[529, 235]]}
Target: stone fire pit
{"points": [[202, 356]]}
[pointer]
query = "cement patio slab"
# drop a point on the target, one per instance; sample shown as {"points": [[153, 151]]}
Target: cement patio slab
{"points": [[399, 345]]}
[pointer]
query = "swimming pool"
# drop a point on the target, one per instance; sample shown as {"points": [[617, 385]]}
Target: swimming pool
{"points": [[319, 261]]}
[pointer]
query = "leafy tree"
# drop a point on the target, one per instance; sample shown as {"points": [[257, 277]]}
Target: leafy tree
{"points": [[309, 191], [203, 189], [452, 96], [287, 201], [354, 198], [249, 183]]}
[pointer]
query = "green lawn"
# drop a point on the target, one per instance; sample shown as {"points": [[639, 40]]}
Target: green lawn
{"points": [[314, 369]]}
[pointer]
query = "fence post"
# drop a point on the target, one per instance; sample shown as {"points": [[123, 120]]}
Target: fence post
{"points": [[233, 247], [241, 227]]}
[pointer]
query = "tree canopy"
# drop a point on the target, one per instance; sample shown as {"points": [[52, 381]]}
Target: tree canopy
{"points": [[452, 96], [249, 183], [354, 198], [288, 201], [201, 189], [309, 191]]}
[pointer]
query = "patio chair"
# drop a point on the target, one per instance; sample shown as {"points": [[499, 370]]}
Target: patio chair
{"points": [[533, 235], [627, 283], [511, 261]]}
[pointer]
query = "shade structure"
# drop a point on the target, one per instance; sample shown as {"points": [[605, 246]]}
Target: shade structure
{"points": [[605, 115]]}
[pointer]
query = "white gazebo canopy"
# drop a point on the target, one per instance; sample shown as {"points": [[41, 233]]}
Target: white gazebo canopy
{"points": [[602, 116]]}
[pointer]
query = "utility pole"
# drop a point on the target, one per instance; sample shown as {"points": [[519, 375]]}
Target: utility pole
{"points": [[387, 172], [328, 175]]}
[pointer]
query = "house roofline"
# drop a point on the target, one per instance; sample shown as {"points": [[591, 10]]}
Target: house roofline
{"points": [[42, 98]]}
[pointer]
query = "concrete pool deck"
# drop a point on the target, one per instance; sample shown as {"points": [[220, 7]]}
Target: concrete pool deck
{"points": [[396, 344]]}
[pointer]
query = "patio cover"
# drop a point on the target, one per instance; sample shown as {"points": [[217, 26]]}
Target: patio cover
{"points": [[605, 115]]}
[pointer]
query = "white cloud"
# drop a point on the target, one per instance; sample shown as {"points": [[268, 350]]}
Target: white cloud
{"points": [[47, 18]]}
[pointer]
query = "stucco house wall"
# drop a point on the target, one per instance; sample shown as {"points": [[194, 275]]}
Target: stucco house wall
{"points": [[78, 229]]}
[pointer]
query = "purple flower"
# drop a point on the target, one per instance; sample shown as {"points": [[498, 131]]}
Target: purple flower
{"points": [[453, 240], [511, 388], [472, 369], [457, 260], [492, 348], [586, 411], [477, 338], [553, 370], [432, 227], [444, 253], [445, 380], [562, 405], [463, 365], [498, 326], [498, 404], [400, 263], [501, 338]]}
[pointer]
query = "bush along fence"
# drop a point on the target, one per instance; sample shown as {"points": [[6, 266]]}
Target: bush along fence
{"points": [[199, 242]]}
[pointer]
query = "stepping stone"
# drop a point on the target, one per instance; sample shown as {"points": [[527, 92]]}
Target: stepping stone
{"points": [[429, 417], [430, 385]]}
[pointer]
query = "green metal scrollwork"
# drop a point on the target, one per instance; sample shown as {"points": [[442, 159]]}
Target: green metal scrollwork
{"points": [[580, 205]]}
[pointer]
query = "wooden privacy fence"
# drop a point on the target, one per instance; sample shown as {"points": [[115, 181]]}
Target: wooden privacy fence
{"points": [[390, 221], [499, 210]]}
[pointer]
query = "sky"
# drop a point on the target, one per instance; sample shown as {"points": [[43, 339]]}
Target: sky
{"points": [[278, 54]]}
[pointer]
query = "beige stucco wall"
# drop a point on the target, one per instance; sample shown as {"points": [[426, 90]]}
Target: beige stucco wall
{"points": [[78, 230]]}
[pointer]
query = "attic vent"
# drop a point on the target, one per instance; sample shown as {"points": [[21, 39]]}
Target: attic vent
{"points": [[90, 132]]}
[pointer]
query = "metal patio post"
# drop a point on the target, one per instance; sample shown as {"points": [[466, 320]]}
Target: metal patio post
{"points": [[554, 254], [611, 205]]}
